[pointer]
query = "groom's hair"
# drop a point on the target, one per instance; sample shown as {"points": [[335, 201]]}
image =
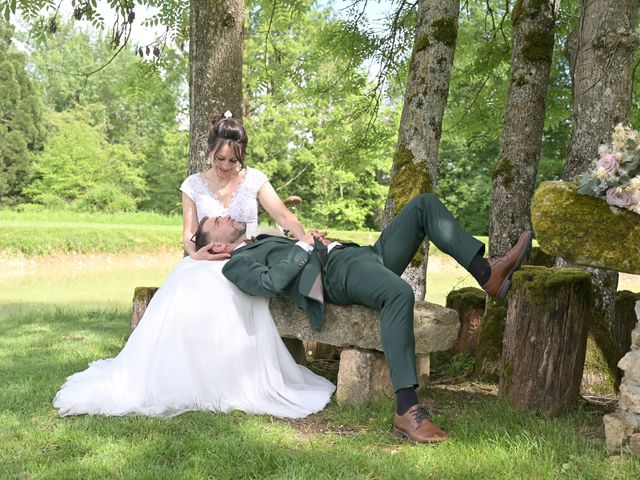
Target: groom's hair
{"points": [[202, 238]]}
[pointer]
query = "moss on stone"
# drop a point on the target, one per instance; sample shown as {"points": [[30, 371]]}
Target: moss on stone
{"points": [[537, 256], [584, 230], [470, 296], [504, 171], [489, 351], [538, 47], [445, 31]]}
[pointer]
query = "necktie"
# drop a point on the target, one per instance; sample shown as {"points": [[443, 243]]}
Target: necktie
{"points": [[321, 249]]}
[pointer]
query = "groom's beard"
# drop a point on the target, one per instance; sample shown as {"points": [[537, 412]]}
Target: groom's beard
{"points": [[237, 233]]}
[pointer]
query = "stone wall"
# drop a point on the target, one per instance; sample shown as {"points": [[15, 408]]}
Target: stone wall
{"points": [[622, 428]]}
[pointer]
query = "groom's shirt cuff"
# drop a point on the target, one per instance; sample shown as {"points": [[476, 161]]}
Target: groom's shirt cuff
{"points": [[304, 245]]}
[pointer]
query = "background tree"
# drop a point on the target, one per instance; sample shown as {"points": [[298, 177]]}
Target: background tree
{"points": [[215, 69], [306, 100], [22, 131], [515, 171], [600, 50], [415, 161], [80, 168]]}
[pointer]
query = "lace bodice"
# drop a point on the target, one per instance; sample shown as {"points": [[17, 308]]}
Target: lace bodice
{"points": [[243, 205]]}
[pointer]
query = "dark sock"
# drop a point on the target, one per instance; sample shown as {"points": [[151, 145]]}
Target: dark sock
{"points": [[405, 398], [480, 269]]}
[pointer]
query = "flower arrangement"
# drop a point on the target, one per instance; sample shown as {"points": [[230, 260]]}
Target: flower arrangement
{"points": [[616, 175]]}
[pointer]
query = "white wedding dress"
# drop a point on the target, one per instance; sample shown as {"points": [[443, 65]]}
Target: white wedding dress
{"points": [[202, 344]]}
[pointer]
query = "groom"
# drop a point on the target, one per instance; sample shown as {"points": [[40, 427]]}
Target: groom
{"points": [[309, 271]]}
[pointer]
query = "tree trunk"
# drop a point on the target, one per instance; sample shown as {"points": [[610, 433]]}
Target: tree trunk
{"points": [[469, 302], [215, 69], [600, 51], [545, 339], [141, 298], [415, 161], [514, 175]]}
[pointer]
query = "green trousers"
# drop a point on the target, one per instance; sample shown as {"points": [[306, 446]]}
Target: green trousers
{"points": [[371, 276]]}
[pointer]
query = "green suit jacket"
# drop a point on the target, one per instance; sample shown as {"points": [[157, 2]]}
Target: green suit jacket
{"points": [[277, 267]]}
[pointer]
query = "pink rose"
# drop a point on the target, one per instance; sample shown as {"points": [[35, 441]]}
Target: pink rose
{"points": [[618, 197], [609, 163]]}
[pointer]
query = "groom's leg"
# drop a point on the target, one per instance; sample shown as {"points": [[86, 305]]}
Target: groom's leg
{"points": [[424, 216], [357, 277]]}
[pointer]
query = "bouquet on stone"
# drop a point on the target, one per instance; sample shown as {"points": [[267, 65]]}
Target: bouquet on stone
{"points": [[616, 174]]}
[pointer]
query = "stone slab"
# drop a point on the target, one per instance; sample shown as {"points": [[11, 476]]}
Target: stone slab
{"points": [[435, 327], [585, 230]]}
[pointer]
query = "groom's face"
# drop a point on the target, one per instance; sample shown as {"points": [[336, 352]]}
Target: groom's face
{"points": [[224, 229]]}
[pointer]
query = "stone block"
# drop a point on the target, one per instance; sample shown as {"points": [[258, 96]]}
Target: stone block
{"points": [[579, 228], [435, 327], [635, 338], [423, 365], [629, 398], [363, 376], [630, 363], [617, 432], [634, 444]]}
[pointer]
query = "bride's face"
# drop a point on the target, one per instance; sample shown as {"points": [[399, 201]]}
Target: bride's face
{"points": [[225, 163]]}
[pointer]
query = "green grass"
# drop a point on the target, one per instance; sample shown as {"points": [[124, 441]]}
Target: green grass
{"points": [[35, 214], [39, 348]]}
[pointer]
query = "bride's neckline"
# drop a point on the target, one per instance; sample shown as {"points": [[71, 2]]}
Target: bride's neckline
{"points": [[203, 179]]}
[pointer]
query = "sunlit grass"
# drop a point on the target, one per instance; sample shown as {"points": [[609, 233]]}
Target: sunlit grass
{"points": [[40, 347]]}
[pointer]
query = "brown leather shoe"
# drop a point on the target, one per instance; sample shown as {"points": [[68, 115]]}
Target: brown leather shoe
{"points": [[416, 425], [503, 266]]}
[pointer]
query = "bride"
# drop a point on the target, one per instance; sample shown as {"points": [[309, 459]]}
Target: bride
{"points": [[202, 344]]}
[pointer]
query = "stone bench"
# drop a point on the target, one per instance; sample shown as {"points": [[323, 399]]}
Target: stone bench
{"points": [[362, 373]]}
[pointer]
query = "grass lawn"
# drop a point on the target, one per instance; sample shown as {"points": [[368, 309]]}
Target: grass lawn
{"points": [[40, 347], [65, 294]]}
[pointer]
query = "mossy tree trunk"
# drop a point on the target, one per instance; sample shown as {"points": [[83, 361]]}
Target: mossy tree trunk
{"points": [[415, 161], [545, 339], [600, 51], [489, 349], [469, 302], [215, 69], [514, 174]]}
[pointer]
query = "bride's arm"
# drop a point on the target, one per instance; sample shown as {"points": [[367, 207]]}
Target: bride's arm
{"points": [[271, 202]]}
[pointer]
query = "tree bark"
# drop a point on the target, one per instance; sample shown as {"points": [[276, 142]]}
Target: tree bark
{"points": [[469, 302], [514, 175], [600, 51], [414, 167], [545, 339], [215, 71]]}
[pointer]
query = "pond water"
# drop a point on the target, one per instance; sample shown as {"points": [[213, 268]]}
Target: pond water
{"points": [[108, 281]]}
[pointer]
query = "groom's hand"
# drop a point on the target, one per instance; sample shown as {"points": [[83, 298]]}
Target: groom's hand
{"points": [[205, 254]]}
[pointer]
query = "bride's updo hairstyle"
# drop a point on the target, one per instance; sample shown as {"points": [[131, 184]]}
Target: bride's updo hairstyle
{"points": [[230, 132]]}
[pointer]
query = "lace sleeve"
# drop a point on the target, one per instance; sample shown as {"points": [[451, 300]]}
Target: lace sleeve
{"points": [[187, 188], [256, 179]]}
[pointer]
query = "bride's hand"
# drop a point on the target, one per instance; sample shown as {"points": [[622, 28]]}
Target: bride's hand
{"points": [[205, 254]]}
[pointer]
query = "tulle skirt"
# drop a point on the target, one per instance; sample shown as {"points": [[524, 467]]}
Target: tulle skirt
{"points": [[202, 344]]}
